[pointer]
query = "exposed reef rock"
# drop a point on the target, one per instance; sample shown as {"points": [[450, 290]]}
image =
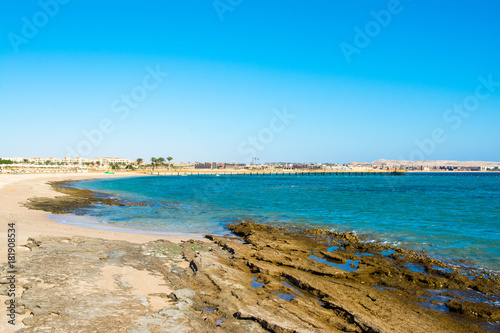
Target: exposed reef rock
{"points": [[263, 279], [75, 198]]}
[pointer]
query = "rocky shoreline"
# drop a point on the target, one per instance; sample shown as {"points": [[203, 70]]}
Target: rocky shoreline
{"points": [[258, 279], [74, 198]]}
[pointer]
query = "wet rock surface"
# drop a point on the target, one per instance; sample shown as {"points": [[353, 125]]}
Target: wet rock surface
{"points": [[263, 280], [382, 286], [75, 198], [474, 309]]}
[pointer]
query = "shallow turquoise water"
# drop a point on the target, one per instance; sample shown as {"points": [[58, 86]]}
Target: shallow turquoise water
{"points": [[452, 216]]}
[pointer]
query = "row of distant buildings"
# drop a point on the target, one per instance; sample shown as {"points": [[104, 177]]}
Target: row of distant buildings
{"points": [[106, 162], [415, 166], [218, 166], [346, 167], [76, 161], [452, 168], [237, 166], [273, 166]]}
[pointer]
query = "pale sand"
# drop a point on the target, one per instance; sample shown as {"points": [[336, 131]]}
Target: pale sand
{"points": [[16, 189]]}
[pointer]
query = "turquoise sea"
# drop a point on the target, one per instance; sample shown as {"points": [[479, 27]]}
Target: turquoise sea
{"points": [[452, 216]]}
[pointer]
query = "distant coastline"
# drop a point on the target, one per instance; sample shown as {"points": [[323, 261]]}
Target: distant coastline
{"points": [[160, 165]]}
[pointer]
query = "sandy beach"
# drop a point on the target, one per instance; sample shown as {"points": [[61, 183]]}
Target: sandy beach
{"points": [[16, 189]]}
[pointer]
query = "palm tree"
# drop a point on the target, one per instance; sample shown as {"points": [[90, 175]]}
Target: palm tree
{"points": [[169, 158], [139, 161], [160, 160], [154, 160]]}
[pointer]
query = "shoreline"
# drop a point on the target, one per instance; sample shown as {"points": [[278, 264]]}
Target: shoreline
{"points": [[17, 189], [262, 278], [59, 188], [464, 263], [89, 222], [39, 221]]}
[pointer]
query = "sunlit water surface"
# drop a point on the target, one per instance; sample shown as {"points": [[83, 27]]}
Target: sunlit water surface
{"points": [[451, 216]]}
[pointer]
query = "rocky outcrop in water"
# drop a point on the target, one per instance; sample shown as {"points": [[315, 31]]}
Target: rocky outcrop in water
{"points": [[74, 198]]}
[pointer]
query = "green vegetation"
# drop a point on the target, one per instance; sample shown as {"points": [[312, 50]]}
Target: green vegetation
{"points": [[6, 161], [157, 161]]}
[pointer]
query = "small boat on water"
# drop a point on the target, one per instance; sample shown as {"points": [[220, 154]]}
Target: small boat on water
{"points": [[217, 175]]}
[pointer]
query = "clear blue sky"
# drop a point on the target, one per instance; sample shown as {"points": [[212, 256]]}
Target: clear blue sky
{"points": [[226, 76]]}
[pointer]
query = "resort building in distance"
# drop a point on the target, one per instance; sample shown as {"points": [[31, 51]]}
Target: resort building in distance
{"points": [[77, 161], [118, 163]]}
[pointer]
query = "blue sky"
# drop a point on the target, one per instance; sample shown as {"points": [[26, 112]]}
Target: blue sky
{"points": [[228, 77]]}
